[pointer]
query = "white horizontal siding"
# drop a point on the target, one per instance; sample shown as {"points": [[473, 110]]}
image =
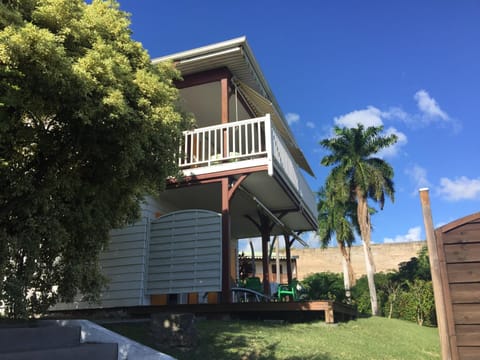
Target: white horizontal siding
{"points": [[185, 253], [123, 263]]}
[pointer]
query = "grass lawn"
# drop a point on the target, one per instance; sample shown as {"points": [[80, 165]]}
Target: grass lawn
{"points": [[366, 338]]}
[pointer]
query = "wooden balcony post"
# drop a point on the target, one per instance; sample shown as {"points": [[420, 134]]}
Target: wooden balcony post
{"points": [[224, 91]]}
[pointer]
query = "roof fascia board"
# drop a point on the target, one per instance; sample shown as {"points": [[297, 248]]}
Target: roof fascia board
{"points": [[204, 51]]}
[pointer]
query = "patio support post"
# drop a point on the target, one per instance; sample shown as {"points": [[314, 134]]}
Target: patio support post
{"points": [[228, 190], [265, 227], [288, 256], [226, 232]]}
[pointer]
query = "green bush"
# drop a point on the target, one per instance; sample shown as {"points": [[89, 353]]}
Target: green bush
{"points": [[405, 294], [416, 303], [325, 286], [361, 293]]}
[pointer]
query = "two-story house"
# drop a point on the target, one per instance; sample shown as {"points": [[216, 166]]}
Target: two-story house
{"points": [[243, 177]]}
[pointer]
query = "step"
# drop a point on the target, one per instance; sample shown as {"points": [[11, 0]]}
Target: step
{"points": [[86, 351], [38, 338]]}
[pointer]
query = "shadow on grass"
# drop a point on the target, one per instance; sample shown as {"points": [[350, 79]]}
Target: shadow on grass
{"points": [[226, 343], [222, 340]]}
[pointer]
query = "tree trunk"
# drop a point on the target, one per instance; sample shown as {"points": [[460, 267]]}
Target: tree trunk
{"points": [[348, 275], [351, 272], [346, 281], [365, 232]]}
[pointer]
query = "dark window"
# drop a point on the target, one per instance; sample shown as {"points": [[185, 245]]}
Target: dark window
{"points": [[274, 269]]}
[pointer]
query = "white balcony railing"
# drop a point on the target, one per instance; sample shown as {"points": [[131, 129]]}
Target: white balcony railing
{"points": [[223, 143], [244, 140]]}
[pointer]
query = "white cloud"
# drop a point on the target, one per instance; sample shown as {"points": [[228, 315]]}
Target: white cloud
{"points": [[413, 234], [310, 124], [394, 149], [429, 106], [396, 113], [461, 188], [371, 116], [292, 118], [419, 177]]}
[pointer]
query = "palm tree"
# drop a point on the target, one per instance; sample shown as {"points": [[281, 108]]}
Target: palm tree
{"points": [[363, 176], [337, 218]]}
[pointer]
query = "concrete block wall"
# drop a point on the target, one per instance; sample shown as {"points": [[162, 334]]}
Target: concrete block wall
{"points": [[387, 257]]}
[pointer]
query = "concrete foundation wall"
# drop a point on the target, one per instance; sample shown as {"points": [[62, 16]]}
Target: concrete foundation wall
{"points": [[387, 257]]}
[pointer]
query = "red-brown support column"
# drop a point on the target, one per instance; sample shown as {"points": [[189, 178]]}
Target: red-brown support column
{"points": [[227, 266], [288, 256], [226, 281], [266, 264], [265, 228], [224, 91]]}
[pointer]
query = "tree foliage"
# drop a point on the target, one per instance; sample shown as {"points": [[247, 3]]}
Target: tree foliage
{"points": [[87, 127]]}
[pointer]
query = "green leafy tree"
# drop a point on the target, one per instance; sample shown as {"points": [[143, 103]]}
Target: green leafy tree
{"points": [[416, 268], [363, 176], [337, 219], [416, 302], [88, 126]]}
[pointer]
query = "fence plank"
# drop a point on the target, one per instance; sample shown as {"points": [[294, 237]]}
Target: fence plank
{"points": [[460, 253], [465, 293], [469, 353], [466, 314], [463, 273], [468, 335], [467, 233]]}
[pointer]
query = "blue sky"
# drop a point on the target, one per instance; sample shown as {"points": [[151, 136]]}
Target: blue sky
{"points": [[412, 66]]}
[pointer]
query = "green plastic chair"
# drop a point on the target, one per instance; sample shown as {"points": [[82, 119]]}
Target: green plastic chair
{"points": [[254, 283], [290, 290]]}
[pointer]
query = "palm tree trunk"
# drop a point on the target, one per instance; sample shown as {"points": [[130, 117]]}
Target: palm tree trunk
{"points": [[365, 232], [348, 275], [350, 266]]}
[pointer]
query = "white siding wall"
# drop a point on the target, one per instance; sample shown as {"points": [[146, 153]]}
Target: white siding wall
{"points": [[185, 253], [179, 253], [124, 264]]}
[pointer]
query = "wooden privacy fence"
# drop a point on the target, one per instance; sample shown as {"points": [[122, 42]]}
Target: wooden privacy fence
{"points": [[457, 247]]}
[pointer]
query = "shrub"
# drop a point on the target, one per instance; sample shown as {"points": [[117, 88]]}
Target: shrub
{"points": [[325, 286]]}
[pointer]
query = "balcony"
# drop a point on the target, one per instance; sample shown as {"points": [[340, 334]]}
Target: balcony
{"points": [[245, 144]]}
